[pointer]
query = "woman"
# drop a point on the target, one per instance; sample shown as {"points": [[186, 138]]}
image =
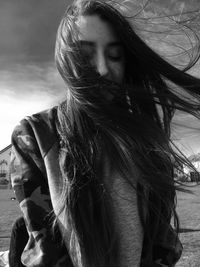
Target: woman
{"points": [[98, 169]]}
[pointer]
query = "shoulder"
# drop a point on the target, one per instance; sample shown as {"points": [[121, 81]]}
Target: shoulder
{"points": [[37, 130]]}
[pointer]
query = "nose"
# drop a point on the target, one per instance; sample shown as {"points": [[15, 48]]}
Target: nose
{"points": [[101, 65]]}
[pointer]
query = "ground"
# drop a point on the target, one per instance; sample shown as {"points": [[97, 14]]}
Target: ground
{"points": [[9, 211], [188, 207]]}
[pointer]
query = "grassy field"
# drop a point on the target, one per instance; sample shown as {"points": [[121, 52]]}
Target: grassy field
{"points": [[9, 211], [188, 209]]}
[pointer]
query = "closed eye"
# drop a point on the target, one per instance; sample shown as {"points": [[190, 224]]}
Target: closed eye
{"points": [[115, 58], [115, 53]]}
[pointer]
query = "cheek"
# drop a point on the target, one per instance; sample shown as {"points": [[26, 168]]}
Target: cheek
{"points": [[118, 70]]}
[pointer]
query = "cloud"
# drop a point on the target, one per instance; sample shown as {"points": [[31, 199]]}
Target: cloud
{"points": [[27, 89], [28, 79], [28, 28], [12, 110], [186, 132]]}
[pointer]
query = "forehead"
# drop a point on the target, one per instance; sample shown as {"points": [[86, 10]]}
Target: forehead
{"points": [[93, 28]]}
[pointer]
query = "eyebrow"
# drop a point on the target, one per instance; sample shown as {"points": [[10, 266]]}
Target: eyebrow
{"points": [[92, 44]]}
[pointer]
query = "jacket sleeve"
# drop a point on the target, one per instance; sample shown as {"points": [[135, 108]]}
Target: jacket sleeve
{"points": [[29, 181]]}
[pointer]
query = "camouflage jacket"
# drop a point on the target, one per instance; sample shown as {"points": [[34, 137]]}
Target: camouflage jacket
{"points": [[37, 182]]}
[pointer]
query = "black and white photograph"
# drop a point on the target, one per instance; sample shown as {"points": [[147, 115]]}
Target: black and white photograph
{"points": [[100, 133]]}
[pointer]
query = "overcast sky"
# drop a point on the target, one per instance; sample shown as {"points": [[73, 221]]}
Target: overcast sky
{"points": [[29, 81]]}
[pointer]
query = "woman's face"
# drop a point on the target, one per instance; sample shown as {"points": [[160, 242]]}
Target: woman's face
{"points": [[101, 47]]}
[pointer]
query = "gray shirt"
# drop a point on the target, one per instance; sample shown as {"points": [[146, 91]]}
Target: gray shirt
{"points": [[126, 217]]}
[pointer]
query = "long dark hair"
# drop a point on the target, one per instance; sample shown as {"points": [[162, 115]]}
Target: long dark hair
{"points": [[131, 130]]}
